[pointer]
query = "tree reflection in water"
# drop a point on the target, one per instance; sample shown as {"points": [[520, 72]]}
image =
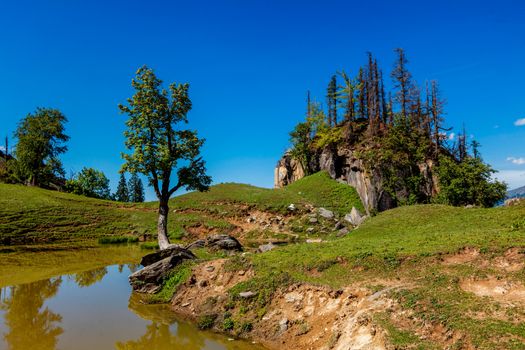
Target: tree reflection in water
{"points": [[30, 326], [158, 334], [87, 278]]}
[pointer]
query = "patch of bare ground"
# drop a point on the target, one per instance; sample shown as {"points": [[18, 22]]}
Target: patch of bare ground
{"points": [[209, 284], [512, 261], [466, 255], [502, 290]]}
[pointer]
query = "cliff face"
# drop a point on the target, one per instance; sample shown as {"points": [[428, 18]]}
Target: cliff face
{"points": [[371, 183]]}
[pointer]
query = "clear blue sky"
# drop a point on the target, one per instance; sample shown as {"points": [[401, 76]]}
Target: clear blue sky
{"points": [[250, 64]]}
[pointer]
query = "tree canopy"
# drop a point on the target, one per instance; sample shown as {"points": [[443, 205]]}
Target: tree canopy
{"points": [[160, 148], [41, 139]]}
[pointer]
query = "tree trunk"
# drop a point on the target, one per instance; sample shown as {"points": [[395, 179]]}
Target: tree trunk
{"points": [[162, 226]]}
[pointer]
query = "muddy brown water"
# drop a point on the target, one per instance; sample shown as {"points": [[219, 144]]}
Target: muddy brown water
{"points": [[95, 309]]}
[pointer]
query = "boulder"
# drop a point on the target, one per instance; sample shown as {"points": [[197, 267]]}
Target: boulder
{"points": [[150, 278], [164, 253], [223, 242], [200, 243], [355, 217], [325, 213], [343, 232], [266, 247], [291, 207]]}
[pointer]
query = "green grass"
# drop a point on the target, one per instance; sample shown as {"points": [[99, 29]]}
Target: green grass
{"points": [[118, 240], [35, 216], [318, 190]]}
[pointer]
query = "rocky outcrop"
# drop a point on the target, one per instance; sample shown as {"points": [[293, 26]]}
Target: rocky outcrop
{"points": [[342, 164], [288, 170], [150, 278]]}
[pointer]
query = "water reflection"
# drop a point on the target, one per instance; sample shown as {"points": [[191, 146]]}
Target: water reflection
{"points": [[87, 278], [89, 310], [31, 326]]}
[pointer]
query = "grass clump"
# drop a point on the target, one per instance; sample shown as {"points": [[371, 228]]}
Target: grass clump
{"points": [[117, 239], [179, 275], [206, 321]]}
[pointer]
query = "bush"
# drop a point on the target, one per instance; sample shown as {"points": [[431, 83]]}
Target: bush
{"points": [[117, 239], [468, 182]]}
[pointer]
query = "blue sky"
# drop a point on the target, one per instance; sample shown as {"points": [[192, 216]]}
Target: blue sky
{"points": [[250, 64]]}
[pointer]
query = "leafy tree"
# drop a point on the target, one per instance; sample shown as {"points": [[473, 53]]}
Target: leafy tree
{"points": [[122, 194], [159, 146], [468, 182], [91, 183], [136, 189], [41, 140]]}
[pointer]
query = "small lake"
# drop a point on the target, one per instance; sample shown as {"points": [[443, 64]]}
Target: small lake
{"points": [[95, 309]]}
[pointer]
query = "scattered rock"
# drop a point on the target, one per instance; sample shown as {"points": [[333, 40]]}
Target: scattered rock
{"points": [[469, 206], [355, 217], [338, 225], [224, 242], [325, 213], [314, 240], [283, 324], [514, 201], [247, 295], [310, 229], [150, 278], [266, 247], [164, 253], [210, 268], [313, 220], [343, 232], [291, 207], [241, 273]]}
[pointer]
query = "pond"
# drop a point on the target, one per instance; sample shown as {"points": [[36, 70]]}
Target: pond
{"points": [[95, 309]]}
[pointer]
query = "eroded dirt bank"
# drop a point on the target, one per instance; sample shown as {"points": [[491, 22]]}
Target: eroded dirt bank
{"points": [[300, 316], [376, 314]]}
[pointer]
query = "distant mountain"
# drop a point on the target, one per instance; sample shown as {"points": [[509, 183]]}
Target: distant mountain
{"points": [[517, 192]]}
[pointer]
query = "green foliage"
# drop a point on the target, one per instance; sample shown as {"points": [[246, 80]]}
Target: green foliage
{"points": [[468, 182], [117, 239], [91, 183], [41, 140], [206, 321], [122, 194], [155, 138], [179, 275], [136, 189], [300, 138], [228, 324]]}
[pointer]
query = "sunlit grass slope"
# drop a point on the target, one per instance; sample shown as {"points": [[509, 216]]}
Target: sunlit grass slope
{"points": [[32, 215]]}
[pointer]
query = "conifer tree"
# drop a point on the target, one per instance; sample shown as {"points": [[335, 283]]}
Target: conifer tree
{"points": [[136, 189], [362, 95], [122, 194], [331, 99], [436, 112], [402, 82]]}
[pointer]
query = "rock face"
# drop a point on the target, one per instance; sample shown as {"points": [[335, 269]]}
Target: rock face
{"points": [[343, 165], [150, 278], [288, 170], [355, 217]]}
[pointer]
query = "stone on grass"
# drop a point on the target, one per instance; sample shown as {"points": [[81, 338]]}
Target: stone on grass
{"points": [[223, 242], [266, 247], [325, 213]]}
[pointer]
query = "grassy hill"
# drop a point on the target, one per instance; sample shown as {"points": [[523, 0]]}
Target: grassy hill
{"points": [[425, 257], [33, 215]]}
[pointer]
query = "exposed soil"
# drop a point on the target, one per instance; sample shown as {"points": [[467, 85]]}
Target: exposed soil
{"points": [[501, 290]]}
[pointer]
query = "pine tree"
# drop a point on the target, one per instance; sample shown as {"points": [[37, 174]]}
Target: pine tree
{"points": [[436, 112], [362, 95], [402, 82], [331, 99], [136, 189], [122, 194]]}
